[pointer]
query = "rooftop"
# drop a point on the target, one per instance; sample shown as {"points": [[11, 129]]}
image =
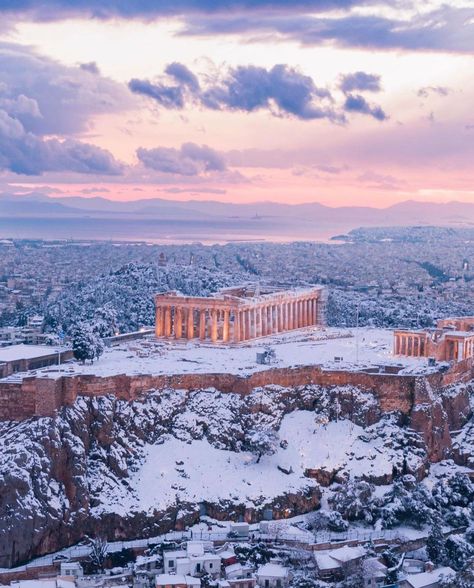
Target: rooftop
{"points": [[246, 293], [18, 352]]}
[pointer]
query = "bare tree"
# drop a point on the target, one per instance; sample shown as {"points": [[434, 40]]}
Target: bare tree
{"points": [[98, 553]]}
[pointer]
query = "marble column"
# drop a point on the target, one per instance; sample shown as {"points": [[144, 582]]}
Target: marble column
{"points": [[226, 327], [214, 325], [248, 325], [167, 331], [244, 328], [258, 322], [178, 322], [202, 324], [190, 325], [263, 321], [159, 321], [296, 314], [284, 310]]}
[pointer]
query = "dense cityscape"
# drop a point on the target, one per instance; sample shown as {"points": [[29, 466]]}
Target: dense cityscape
{"points": [[236, 294]]}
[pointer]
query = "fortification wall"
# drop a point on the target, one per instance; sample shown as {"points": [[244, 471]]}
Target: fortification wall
{"points": [[43, 396]]}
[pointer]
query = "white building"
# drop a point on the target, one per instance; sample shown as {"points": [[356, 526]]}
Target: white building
{"points": [[71, 568], [176, 581], [374, 572], [427, 579], [194, 560], [272, 575]]}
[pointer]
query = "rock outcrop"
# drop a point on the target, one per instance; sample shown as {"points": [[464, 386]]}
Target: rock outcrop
{"points": [[73, 475]]}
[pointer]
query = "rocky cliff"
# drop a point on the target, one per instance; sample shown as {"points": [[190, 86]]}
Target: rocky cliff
{"points": [[129, 469]]}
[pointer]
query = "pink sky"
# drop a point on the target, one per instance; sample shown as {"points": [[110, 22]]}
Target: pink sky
{"points": [[252, 108]]}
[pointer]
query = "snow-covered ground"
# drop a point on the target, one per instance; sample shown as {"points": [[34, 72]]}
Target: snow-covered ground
{"points": [[331, 348], [198, 472]]}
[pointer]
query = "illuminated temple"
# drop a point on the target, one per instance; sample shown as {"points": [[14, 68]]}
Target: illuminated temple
{"points": [[451, 340], [238, 314]]}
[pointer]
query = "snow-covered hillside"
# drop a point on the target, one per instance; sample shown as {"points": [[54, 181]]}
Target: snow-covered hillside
{"points": [[132, 469]]}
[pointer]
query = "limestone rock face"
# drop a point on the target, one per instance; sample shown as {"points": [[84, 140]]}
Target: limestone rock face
{"points": [[73, 475]]}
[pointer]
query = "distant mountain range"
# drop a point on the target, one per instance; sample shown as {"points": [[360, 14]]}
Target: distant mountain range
{"points": [[205, 218], [408, 212]]}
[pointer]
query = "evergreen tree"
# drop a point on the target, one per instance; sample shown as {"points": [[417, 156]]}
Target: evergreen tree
{"points": [[262, 441], [436, 545], [86, 345]]}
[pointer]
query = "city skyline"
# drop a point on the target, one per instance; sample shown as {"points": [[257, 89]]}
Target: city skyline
{"points": [[342, 102]]}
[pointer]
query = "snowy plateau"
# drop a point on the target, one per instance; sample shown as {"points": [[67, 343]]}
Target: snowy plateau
{"points": [[134, 469]]}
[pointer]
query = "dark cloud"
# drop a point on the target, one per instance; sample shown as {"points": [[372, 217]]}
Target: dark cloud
{"points": [[166, 96], [251, 88], [91, 67], [444, 29], [183, 76], [427, 90], [281, 90], [361, 81], [149, 9], [190, 160], [22, 152], [357, 103]]}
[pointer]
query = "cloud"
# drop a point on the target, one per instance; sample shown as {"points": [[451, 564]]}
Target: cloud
{"points": [[40, 98], [381, 181], [166, 96], [94, 190], [108, 9], [194, 190], [281, 90], [427, 90], [361, 81], [189, 160], [251, 88], [63, 99], [183, 75], [357, 103], [22, 152], [444, 29], [91, 67]]}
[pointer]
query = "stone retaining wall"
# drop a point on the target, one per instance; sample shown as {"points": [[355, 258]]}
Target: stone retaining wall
{"points": [[43, 396]]}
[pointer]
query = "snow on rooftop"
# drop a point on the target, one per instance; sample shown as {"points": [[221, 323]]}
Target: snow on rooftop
{"points": [[330, 348], [429, 579], [22, 351], [347, 553], [272, 570]]}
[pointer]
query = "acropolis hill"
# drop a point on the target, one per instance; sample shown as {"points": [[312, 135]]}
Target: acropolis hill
{"points": [[312, 355], [212, 342], [113, 434]]}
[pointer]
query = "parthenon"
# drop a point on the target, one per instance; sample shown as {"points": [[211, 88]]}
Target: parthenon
{"points": [[238, 314]]}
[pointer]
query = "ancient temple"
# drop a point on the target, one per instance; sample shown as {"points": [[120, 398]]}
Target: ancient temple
{"points": [[451, 340], [238, 314]]}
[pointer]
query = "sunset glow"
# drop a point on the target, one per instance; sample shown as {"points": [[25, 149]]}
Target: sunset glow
{"points": [[343, 103]]}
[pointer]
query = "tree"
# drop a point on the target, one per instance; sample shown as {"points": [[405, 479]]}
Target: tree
{"points": [[351, 500], [98, 553], [458, 551], [86, 345], [435, 544], [262, 441], [105, 321]]}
